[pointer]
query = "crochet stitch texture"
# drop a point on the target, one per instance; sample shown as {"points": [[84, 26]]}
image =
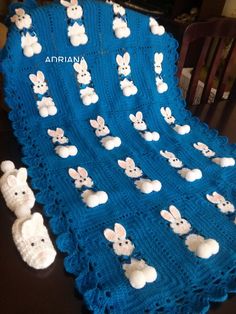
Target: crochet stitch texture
{"points": [[188, 274]]}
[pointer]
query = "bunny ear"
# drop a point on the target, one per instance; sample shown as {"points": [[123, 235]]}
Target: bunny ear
{"points": [[60, 131], [40, 76], [130, 162], [94, 124], [77, 67], [73, 173], [65, 3], [126, 58], [13, 18], [212, 199], [119, 60], [82, 171], [32, 225], [74, 2], [218, 197], [168, 111], [167, 154], [22, 175], [167, 216], [11, 180], [20, 11], [100, 120], [158, 57], [110, 235], [120, 231], [175, 212], [122, 164], [83, 64], [33, 78], [139, 115], [163, 112], [132, 118], [51, 133]]}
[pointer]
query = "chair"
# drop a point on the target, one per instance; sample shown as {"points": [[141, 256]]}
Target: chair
{"points": [[215, 35]]}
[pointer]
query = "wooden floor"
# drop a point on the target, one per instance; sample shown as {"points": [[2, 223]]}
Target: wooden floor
{"points": [[51, 291]]}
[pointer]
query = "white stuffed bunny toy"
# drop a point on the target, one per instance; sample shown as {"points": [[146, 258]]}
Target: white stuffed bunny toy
{"points": [[29, 40], [224, 206], [101, 130], [120, 25], [170, 119], [33, 242], [62, 150], [201, 247], [90, 197], [145, 185], [141, 126], [87, 93], [29, 233], [189, 175], [76, 29], [124, 71], [14, 187], [156, 29], [136, 270], [207, 152], [45, 104]]}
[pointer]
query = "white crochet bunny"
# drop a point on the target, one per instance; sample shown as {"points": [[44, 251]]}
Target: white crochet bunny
{"points": [[143, 184], [29, 234], [130, 168], [167, 115], [33, 242], [158, 57], [109, 142], [124, 71], [224, 205], [203, 248], [161, 85], [14, 187], [76, 29], [172, 159], [189, 175], [87, 93], [64, 151], [141, 126], [137, 271], [120, 25], [221, 161], [29, 40], [156, 29], [90, 198], [45, 104]]}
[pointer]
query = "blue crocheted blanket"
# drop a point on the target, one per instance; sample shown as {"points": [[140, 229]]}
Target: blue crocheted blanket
{"points": [[139, 193]]}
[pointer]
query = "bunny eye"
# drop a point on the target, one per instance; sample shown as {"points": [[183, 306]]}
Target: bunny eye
{"points": [[126, 242], [23, 192], [177, 223], [85, 179], [103, 128], [32, 244], [42, 240], [120, 244], [16, 193], [181, 222]]}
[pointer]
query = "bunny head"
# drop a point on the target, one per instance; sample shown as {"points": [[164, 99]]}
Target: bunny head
{"points": [[58, 136], [172, 159], [18, 195], [40, 86], [158, 58], [21, 19], [204, 149], [83, 76], [177, 223], [121, 245], [123, 64], [35, 240], [118, 9], [130, 169], [73, 10], [224, 205], [138, 122], [99, 125], [166, 113], [81, 177]]}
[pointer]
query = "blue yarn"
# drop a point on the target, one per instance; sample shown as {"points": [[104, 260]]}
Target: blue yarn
{"points": [[185, 283]]}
